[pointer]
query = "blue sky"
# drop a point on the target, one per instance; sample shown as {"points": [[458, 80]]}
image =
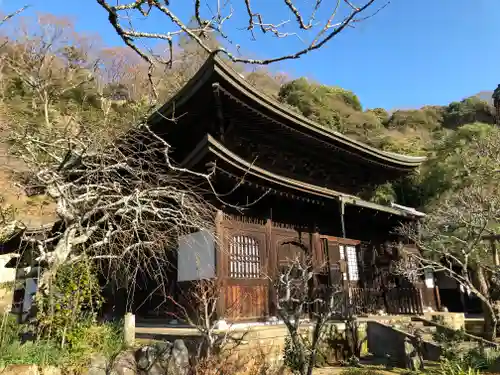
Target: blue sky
{"points": [[413, 53]]}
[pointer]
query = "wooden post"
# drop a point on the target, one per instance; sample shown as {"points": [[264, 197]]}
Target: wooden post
{"points": [[272, 269], [315, 264], [494, 250], [220, 266], [129, 329], [438, 297]]}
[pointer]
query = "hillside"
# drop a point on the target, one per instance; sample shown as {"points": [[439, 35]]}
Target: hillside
{"points": [[96, 93]]}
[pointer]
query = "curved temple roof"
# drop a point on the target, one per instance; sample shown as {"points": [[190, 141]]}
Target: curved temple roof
{"points": [[211, 145], [215, 69]]}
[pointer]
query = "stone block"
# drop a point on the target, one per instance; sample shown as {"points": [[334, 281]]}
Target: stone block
{"points": [[450, 319]]}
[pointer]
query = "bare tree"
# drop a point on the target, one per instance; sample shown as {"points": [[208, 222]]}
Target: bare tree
{"points": [[298, 298], [198, 308], [51, 61], [313, 24], [452, 238], [124, 205]]}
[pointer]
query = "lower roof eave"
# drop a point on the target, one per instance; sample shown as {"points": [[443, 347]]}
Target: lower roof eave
{"points": [[248, 169]]}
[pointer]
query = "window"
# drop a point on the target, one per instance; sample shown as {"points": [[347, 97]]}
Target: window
{"points": [[244, 258], [352, 262]]}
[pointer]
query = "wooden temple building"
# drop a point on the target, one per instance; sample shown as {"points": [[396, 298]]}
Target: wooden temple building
{"points": [[285, 186]]}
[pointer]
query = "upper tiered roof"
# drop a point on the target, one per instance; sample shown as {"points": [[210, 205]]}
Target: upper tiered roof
{"points": [[215, 72]]}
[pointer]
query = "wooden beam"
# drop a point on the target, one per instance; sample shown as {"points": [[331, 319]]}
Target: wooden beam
{"points": [[220, 266], [342, 241]]}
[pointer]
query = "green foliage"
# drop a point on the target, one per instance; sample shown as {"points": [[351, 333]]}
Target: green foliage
{"points": [[450, 367], [67, 311], [458, 160], [384, 194], [449, 340], [105, 339], [321, 103], [13, 352], [334, 108], [292, 356], [380, 113], [468, 111], [429, 118], [459, 361]]}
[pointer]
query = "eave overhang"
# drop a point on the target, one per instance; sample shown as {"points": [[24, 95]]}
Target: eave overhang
{"points": [[215, 70], [210, 147]]}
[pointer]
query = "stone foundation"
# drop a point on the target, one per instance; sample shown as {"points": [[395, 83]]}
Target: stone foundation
{"points": [[453, 320]]}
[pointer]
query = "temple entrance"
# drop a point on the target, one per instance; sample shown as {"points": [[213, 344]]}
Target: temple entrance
{"points": [[246, 285]]}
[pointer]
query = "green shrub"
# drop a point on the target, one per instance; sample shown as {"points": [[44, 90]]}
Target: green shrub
{"points": [[32, 353], [13, 352], [292, 356], [450, 367], [86, 340], [105, 339], [70, 307], [450, 340]]}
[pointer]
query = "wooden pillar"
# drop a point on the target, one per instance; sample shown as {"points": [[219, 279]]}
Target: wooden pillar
{"points": [[315, 264], [438, 297], [316, 249], [272, 269], [220, 264], [494, 251]]}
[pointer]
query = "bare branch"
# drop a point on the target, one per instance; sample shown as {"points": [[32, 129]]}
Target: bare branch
{"points": [[13, 14], [214, 26]]}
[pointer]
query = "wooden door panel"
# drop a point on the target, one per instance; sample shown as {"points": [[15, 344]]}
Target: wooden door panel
{"points": [[246, 282], [246, 301]]}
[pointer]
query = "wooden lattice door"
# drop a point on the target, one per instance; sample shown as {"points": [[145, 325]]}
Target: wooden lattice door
{"points": [[246, 291]]}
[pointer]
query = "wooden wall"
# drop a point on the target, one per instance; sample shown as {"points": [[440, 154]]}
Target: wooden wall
{"points": [[248, 293]]}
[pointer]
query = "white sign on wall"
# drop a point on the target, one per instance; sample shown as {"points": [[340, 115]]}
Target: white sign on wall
{"points": [[196, 258]]}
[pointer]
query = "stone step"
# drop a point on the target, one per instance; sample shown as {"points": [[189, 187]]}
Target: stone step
{"points": [[427, 329]]}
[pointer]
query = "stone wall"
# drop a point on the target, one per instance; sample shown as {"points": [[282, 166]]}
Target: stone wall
{"points": [[385, 341], [475, 326], [452, 320], [268, 339]]}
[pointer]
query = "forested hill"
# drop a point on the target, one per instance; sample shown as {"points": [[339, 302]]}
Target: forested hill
{"points": [[56, 83]]}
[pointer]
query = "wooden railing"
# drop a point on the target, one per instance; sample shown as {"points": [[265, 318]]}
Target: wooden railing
{"points": [[395, 301], [403, 301]]}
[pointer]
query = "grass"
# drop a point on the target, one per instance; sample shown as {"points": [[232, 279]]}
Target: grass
{"points": [[104, 339]]}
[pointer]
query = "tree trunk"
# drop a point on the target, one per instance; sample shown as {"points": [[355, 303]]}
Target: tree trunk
{"points": [[490, 316], [46, 110]]}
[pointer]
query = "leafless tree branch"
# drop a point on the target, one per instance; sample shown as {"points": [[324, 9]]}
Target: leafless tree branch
{"points": [[199, 310], [297, 298], [13, 14], [213, 26]]}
